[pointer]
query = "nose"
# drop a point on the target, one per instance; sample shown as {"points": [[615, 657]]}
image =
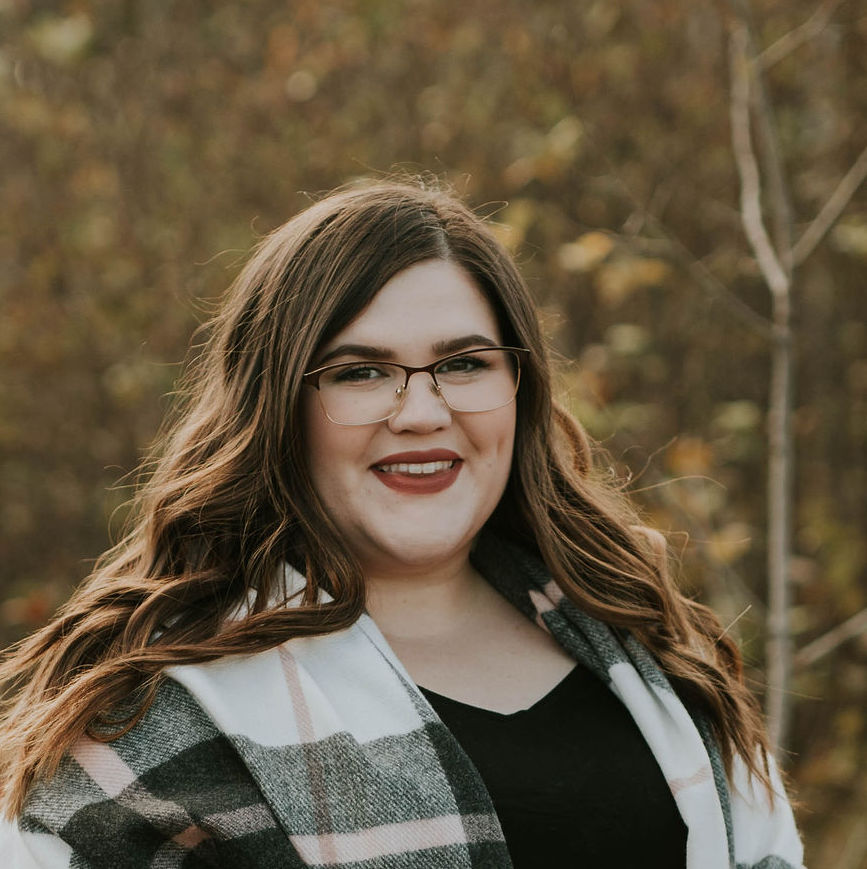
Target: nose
{"points": [[421, 407]]}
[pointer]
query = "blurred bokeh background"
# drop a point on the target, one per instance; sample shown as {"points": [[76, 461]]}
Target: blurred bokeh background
{"points": [[144, 147]]}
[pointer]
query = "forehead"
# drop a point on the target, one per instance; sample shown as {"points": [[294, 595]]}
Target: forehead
{"points": [[423, 305]]}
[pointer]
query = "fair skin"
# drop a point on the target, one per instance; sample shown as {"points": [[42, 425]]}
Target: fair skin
{"points": [[452, 631]]}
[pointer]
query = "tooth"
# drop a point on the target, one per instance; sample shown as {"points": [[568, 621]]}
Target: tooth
{"points": [[417, 468]]}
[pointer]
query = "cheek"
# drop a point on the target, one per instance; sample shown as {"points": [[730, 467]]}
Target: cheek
{"points": [[494, 438], [334, 453]]}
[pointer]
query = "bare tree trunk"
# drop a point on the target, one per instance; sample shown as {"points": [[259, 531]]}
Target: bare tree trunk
{"points": [[778, 643], [776, 271], [777, 263]]}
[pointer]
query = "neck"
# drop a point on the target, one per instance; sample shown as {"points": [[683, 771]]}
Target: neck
{"points": [[415, 604]]}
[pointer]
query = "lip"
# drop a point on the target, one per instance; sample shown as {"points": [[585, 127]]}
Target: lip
{"points": [[415, 484], [418, 457]]}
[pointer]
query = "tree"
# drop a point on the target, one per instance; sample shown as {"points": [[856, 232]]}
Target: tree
{"points": [[777, 261]]}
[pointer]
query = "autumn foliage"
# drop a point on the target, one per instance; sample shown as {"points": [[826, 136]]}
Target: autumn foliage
{"points": [[146, 146]]}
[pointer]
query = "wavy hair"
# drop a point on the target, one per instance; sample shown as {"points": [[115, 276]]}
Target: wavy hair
{"points": [[227, 499]]}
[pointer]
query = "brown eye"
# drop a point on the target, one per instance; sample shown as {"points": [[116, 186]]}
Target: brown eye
{"points": [[462, 365]]}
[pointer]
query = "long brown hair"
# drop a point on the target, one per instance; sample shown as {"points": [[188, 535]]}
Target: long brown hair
{"points": [[228, 499]]}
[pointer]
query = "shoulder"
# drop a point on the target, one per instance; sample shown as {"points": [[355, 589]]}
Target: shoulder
{"points": [[167, 787]]}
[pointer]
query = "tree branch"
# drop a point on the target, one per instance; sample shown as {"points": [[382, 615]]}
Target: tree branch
{"points": [[832, 209], [751, 209], [681, 254], [767, 140], [669, 244], [705, 278], [794, 39], [826, 644]]}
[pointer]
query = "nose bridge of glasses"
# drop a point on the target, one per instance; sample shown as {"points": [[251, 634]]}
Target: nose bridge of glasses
{"points": [[403, 391]]}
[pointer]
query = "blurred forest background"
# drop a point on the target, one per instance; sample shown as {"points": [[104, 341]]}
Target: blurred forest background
{"points": [[145, 146]]}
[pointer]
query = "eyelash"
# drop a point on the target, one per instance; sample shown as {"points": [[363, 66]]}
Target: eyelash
{"points": [[350, 373]]}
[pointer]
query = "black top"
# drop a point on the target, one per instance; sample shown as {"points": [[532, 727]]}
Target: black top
{"points": [[572, 779]]}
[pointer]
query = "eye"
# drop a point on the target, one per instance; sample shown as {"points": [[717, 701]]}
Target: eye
{"points": [[361, 372], [469, 364]]}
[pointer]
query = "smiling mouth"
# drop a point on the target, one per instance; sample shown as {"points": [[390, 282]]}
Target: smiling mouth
{"points": [[410, 478], [420, 469]]}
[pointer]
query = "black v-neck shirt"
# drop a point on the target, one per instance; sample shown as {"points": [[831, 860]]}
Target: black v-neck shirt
{"points": [[572, 779]]}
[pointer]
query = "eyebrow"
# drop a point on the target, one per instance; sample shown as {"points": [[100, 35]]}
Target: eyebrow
{"points": [[440, 348]]}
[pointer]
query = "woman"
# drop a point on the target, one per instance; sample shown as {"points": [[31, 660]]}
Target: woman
{"points": [[376, 609]]}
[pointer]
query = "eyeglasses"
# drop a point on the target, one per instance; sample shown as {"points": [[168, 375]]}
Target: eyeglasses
{"points": [[364, 392]]}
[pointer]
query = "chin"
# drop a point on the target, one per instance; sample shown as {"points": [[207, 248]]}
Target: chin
{"points": [[427, 552]]}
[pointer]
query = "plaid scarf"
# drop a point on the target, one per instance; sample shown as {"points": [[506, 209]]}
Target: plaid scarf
{"points": [[322, 752]]}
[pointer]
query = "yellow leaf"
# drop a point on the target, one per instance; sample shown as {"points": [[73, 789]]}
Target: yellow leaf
{"points": [[514, 222], [585, 253], [62, 39], [730, 542], [563, 137], [617, 280], [301, 86], [690, 456]]}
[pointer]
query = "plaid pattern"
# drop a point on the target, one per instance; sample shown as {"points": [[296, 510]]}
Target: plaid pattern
{"points": [[322, 752]]}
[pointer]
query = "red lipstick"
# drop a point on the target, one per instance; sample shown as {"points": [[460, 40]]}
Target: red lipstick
{"points": [[418, 457], [410, 472]]}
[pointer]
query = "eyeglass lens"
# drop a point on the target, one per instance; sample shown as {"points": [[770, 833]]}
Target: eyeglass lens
{"points": [[362, 392]]}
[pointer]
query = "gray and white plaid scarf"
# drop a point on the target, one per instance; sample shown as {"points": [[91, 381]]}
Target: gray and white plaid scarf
{"points": [[322, 752]]}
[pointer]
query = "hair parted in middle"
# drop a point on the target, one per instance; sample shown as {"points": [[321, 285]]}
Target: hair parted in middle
{"points": [[229, 497]]}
